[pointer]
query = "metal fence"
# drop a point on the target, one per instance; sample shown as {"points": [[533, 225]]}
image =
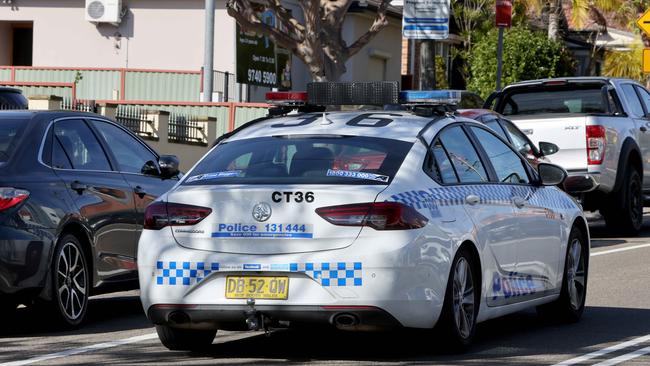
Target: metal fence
{"points": [[7, 107], [135, 119], [79, 105], [186, 130]]}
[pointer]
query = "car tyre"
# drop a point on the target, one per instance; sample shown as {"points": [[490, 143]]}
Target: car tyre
{"points": [[457, 324], [185, 339], [571, 303], [623, 211], [70, 282]]}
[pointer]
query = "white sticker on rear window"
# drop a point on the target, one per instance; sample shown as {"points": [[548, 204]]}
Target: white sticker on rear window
{"points": [[357, 175], [224, 174]]}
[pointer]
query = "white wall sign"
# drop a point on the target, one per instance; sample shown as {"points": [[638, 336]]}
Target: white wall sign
{"points": [[425, 19]]}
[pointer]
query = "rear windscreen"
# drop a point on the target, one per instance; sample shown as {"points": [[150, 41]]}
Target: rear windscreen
{"points": [[565, 99], [10, 132], [302, 159]]}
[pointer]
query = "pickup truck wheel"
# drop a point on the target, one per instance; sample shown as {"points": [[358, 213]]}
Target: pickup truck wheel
{"points": [[624, 209]]}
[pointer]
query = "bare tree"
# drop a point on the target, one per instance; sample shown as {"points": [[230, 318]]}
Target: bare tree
{"points": [[318, 41]]}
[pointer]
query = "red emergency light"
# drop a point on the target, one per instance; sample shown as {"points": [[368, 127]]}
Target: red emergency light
{"points": [[287, 98]]}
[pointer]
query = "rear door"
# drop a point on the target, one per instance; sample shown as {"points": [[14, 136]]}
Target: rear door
{"points": [[465, 175], [264, 192], [102, 196], [538, 228]]}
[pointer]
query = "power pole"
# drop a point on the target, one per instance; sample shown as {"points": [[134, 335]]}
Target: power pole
{"points": [[208, 63], [427, 64], [499, 58]]}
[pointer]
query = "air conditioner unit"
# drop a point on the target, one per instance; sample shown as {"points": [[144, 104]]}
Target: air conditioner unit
{"points": [[104, 11]]}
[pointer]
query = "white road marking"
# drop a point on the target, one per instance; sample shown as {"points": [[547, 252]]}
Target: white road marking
{"points": [[625, 357], [604, 351], [76, 351], [593, 254]]}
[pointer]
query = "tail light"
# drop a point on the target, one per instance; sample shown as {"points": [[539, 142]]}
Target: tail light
{"points": [[10, 197], [161, 214], [379, 216], [595, 145]]}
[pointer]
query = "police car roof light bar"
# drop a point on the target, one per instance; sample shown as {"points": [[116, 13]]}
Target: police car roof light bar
{"points": [[287, 98], [377, 93], [430, 97]]}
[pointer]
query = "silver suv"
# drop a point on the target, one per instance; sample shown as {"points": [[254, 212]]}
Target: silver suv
{"points": [[602, 127]]}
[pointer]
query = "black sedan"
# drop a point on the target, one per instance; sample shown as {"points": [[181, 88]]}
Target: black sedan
{"points": [[73, 189]]}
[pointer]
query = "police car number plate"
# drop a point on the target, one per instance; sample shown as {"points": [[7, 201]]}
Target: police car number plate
{"points": [[247, 287]]}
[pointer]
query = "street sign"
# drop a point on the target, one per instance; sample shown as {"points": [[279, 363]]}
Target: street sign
{"points": [[646, 60], [504, 13], [259, 61], [425, 19], [644, 22]]}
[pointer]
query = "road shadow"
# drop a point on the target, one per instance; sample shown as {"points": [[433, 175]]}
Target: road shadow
{"points": [[117, 312], [509, 339], [601, 236]]}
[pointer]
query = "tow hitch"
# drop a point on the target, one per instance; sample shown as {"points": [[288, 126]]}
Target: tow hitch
{"points": [[255, 320]]}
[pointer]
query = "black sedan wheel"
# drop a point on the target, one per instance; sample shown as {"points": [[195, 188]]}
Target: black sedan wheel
{"points": [[71, 281]]}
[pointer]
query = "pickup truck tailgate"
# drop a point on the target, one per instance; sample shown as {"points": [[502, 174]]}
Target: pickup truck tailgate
{"points": [[567, 132]]}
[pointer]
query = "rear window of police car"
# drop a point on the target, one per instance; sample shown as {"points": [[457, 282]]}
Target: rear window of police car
{"points": [[320, 159]]}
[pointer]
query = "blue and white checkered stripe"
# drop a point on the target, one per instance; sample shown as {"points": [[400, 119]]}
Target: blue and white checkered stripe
{"points": [[489, 194], [339, 274], [183, 273]]}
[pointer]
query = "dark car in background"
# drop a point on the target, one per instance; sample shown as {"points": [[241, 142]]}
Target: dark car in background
{"points": [[11, 98], [73, 190], [506, 129]]}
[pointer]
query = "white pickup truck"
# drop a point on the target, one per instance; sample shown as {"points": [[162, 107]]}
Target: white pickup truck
{"points": [[602, 127]]}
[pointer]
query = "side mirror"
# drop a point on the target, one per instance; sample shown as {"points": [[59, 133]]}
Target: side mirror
{"points": [[149, 168], [548, 148], [551, 174], [168, 166]]}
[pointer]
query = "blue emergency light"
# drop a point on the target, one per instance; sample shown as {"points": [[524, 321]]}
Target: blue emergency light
{"points": [[430, 97]]}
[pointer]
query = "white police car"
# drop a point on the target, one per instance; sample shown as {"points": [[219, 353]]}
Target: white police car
{"points": [[361, 220]]}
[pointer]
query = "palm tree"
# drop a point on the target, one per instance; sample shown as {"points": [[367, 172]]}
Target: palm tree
{"points": [[625, 64], [581, 12]]}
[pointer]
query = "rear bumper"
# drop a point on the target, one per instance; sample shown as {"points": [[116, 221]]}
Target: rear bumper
{"points": [[404, 278], [233, 317], [24, 260], [576, 183]]}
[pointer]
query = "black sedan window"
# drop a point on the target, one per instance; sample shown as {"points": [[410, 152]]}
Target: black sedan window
{"points": [[131, 155], [80, 145]]}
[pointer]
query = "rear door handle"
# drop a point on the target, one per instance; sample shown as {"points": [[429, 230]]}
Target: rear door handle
{"points": [[139, 191], [472, 199], [78, 186], [519, 202]]}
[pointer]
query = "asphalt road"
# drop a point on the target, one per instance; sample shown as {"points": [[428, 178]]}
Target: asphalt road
{"points": [[615, 329]]}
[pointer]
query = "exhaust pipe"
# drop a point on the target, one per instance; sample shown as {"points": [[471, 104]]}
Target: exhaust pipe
{"points": [[178, 317], [345, 320]]}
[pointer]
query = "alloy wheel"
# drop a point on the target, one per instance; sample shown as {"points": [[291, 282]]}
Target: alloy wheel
{"points": [[576, 274], [463, 295], [71, 281]]}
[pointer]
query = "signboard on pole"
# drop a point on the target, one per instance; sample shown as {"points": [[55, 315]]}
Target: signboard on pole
{"points": [[644, 23], [504, 13], [425, 19], [259, 61]]}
